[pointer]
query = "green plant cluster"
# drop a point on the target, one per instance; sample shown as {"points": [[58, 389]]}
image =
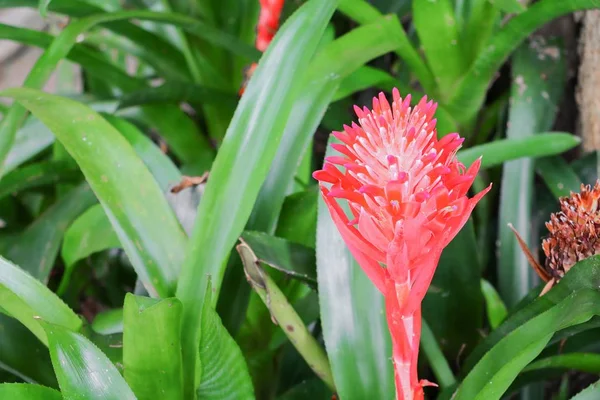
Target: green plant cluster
{"points": [[113, 285]]}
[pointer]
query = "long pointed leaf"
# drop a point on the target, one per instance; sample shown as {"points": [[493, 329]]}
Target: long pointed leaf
{"points": [[83, 371], [538, 145], [337, 60], [152, 347], [223, 374], [27, 299], [584, 275], [500, 366], [141, 217], [24, 391], [88, 234], [438, 32], [158, 52], [237, 173], [23, 355], [470, 94], [590, 393], [175, 127], [36, 175], [35, 249], [363, 12]]}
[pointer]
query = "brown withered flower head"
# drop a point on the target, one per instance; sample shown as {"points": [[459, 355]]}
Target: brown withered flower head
{"points": [[573, 235], [573, 231]]}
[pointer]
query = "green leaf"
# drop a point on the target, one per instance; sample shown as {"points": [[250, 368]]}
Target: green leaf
{"points": [[584, 275], [445, 122], [522, 146], [237, 174], [181, 135], [536, 90], [43, 7], [23, 355], [470, 94], [83, 371], [496, 310], [585, 362], [37, 175], [223, 374], [351, 51], [509, 6], [111, 345], [586, 167], [284, 315], [108, 322], [90, 233], [150, 60], [492, 118], [191, 25], [28, 300], [294, 260], [25, 391], [364, 78], [590, 393], [312, 389], [558, 176], [94, 62], [337, 60], [67, 39], [35, 249], [30, 140], [160, 53], [159, 164], [36, 78], [483, 20], [453, 305], [563, 390], [152, 347], [438, 32], [353, 317], [363, 12], [135, 205], [178, 130], [178, 92], [496, 370], [437, 360], [298, 218], [575, 339]]}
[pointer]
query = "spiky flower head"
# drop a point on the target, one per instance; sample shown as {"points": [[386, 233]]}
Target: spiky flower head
{"points": [[573, 231], [406, 190], [407, 198]]}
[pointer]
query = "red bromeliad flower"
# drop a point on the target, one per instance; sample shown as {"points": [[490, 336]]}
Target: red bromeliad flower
{"points": [[268, 23], [407, 195]]}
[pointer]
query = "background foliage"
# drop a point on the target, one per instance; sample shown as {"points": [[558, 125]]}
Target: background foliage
{"points": [[118, 282]]}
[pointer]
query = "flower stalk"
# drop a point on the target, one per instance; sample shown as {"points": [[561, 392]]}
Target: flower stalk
{"points": [[407, 195], [284, 315]]}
